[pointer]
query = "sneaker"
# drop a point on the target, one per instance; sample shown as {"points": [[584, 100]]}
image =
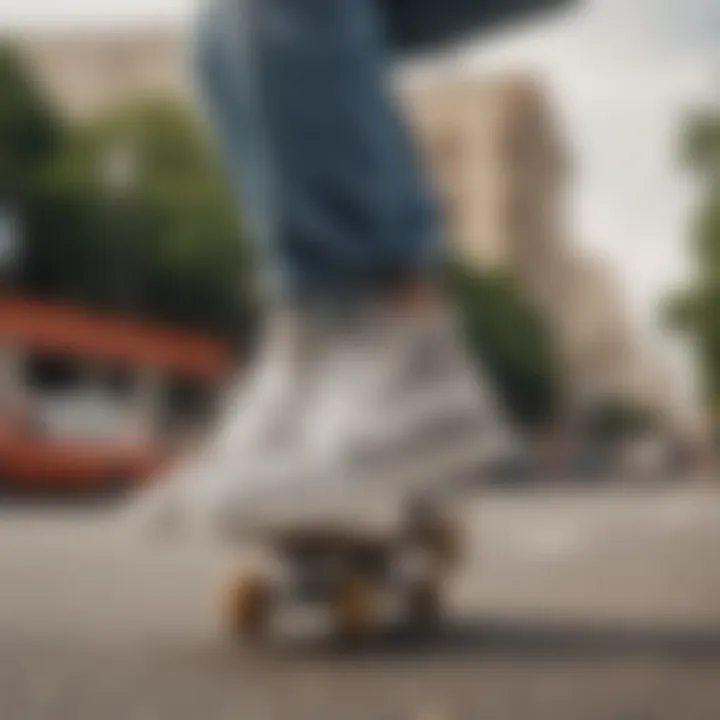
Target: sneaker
{"points": [[402, 411]]}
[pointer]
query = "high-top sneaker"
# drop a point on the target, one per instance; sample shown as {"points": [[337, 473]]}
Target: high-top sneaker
{"points": [[402, 412]]}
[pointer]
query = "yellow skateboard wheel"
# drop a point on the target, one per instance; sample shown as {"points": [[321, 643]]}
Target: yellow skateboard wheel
{"points": [[247, 605], [355, 608]]}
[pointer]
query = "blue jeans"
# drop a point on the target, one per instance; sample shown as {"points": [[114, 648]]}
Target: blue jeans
{"points": [[325, 170]]}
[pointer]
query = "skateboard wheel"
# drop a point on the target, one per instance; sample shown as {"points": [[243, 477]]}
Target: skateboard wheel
{"points": [[247, 605], [355, 608]]}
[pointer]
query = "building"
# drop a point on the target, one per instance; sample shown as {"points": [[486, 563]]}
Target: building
{"points": [[87, 73], [602, 356], [493, 147]]}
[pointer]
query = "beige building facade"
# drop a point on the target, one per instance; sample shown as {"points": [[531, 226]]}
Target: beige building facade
{"points": [[491, 145], [88, 73]]}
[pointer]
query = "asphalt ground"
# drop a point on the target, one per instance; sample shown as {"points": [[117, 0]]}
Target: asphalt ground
{"points": [[572, 604]]}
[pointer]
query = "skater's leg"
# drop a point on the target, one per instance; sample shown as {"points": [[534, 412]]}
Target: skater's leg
{"points": [[299, 93], [228, 84]]}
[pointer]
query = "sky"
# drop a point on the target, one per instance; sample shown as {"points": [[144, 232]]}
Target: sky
{"points": [[622, 74]]}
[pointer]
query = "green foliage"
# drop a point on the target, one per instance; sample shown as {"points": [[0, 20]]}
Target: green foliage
{"points": [[617, 418], [706, 232], [29, 130], [512, 343], [163, 242], [701, 143], [697, 310]]}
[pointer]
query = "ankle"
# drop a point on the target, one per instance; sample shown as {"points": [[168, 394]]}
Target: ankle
{"points": [[416, 298]]}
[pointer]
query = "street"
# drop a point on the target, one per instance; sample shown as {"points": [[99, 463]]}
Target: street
{"points": [[599, 603]]}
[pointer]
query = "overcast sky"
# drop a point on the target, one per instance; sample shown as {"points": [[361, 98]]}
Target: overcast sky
{"points": [[623, 74]]}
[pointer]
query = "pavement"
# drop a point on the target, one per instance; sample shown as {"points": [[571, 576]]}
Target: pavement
{"points": [[601, 603]]}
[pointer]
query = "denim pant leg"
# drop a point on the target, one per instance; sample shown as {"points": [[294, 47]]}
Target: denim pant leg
{"points": [[226, 76], [299, 92]]}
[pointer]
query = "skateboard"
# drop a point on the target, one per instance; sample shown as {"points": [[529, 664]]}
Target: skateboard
{"points": [[355, 576]]}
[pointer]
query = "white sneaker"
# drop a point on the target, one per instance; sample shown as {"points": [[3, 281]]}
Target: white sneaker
{"points": [[402, 411]]}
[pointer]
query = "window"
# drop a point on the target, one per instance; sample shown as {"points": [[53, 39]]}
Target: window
{"points": [[50, 373]]}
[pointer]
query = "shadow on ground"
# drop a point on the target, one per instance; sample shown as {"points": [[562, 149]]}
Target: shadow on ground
{"points": [[514, 640]]}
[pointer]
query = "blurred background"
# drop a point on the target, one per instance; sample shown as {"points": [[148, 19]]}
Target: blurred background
{"points": [[579, 164]]}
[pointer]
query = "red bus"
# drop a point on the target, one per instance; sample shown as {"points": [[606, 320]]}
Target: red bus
{"points": [[91, 402]]}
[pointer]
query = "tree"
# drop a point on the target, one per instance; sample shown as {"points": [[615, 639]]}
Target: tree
{"points": [[511, 342], [615, 419], [29, 130], [30, 134], [697, 311], [138, 215]]}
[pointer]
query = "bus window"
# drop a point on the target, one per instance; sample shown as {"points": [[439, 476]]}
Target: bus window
{"points": [[50, 373]]}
